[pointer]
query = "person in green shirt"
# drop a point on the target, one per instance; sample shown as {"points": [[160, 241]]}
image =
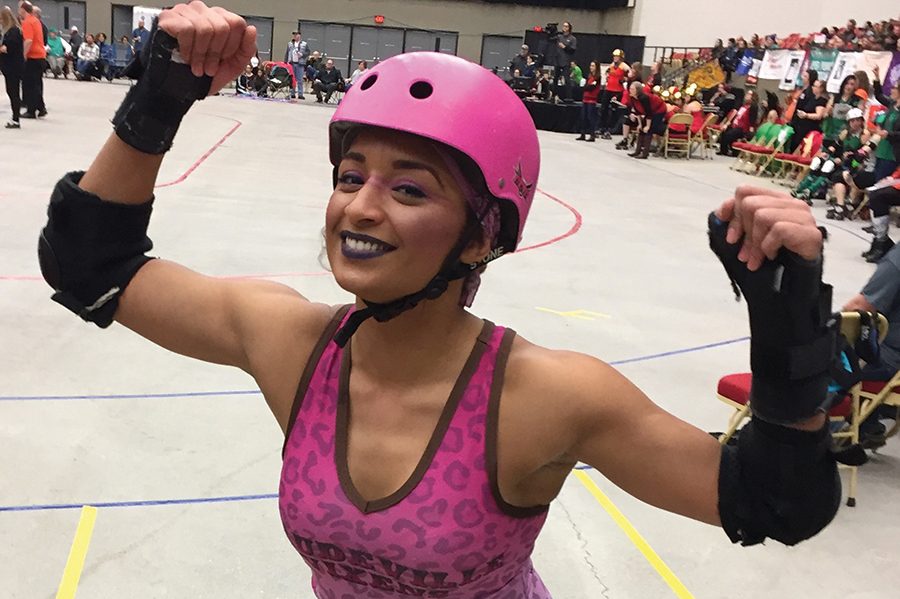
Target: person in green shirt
{"points": [[56, 54], [827, 167], [887, 153], [838, 107], [575, 74]]}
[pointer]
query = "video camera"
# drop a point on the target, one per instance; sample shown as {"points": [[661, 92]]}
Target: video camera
{"points": [[552, 30]]}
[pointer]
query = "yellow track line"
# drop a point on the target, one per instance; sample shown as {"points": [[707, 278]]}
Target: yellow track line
{"points": [[643, 546], [69, 583]]}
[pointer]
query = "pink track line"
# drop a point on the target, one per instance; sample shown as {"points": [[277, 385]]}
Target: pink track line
{"points": [[203, 158], [575, 228]]}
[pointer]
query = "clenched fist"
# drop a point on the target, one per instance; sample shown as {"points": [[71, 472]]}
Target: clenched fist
{"points": [[768, 221], [213, 41]]}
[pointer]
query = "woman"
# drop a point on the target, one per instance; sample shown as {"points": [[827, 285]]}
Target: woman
{"points": [[88, 63], [743, 124], [887, 153], [656, 74], [12, 62], [828, 165], [423, 444], [589, 114], [810, 110], [106, 65], [839, 106], [361, 68], [651, 111], [56, 54]]}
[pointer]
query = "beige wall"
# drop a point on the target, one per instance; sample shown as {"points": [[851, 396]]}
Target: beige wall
{"points": [[470, 19]]}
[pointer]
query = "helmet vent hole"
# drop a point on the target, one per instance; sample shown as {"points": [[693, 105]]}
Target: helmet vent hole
{"points": [[369, 82], [421, 90]]}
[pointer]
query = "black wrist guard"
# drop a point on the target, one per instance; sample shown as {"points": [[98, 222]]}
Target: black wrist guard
{"points": [[791, 346], [90, 249], [152, 110], [779, 483]]}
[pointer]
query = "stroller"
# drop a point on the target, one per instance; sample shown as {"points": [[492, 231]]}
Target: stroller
{"points": [[281, 80]]}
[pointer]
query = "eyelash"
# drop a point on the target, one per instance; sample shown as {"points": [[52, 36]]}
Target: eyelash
{"points": [[353, 179]]}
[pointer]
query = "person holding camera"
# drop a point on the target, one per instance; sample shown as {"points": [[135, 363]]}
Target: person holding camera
{"points": [[566, 44], [519, 61]]}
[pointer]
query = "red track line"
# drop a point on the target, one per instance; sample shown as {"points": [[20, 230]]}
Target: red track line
{"points": [[203, 158], [284, 275], [575, 228]]}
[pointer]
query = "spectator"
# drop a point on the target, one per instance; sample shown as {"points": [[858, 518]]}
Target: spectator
{"points": [[652, 112], [887, 154], [328, 80], [106, 65], [259, 81], [312, 65], [56, 54], [88, 65], [656, 74], [728, 59], [838, 108], [589, 105], [12, 61], [530, 70], [882, 294], [519, 60], [35, 54], [40, 17], [576, 75], [124, 52], [881, 201], [615, 88], [140, 36], [566, 44], [810, 110], [297, 55], [243, 85], [742, 125], [75, 41], [361, 67]]}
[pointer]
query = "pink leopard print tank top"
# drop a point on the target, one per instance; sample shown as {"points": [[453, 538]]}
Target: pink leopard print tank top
{"points": [[446, 532]]}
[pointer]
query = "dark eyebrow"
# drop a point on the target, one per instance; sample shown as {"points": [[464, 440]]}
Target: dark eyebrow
{"points": [[406, 165], [412, 165]]}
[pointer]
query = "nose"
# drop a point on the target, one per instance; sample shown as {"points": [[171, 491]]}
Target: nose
{"points": [[366, 209]]}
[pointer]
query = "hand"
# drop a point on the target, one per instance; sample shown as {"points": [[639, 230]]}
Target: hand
{"points": [[561, 45], [769, 220], [2, 49], [876, 71], [213, 41], [801, 114]]}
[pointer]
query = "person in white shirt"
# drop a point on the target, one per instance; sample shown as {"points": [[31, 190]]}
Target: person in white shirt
{"points": [[88, 59], [297, 55], [361, 69]]}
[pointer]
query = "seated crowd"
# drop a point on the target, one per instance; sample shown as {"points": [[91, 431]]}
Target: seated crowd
{"points": [[87, 58], [318, 75]]}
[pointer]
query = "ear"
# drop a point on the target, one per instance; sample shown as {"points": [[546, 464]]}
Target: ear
{"points": [[477, 249]]}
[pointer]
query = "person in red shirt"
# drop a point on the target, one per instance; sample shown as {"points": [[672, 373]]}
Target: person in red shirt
{"points": [[742, 126], [615, 87], [35, 53], [589, 114], [652, 112]]}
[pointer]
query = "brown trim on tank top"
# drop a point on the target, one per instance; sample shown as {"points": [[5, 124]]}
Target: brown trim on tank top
{"points": [[310, 369], [434, 443], [493, 425]]}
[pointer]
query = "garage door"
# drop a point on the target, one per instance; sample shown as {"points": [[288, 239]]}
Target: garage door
{"points": [[263, 37]]}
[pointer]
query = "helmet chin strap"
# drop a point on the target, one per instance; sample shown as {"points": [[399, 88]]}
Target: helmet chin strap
{"points": [[451, 270]]}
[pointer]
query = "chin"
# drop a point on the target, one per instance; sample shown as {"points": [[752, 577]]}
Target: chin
{"points": [[371, 284]]}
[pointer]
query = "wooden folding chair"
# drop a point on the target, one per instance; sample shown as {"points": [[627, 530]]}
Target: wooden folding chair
{"points": [[791, 167], [762, 158], [762, 138], [677, 142], [734, 391], [716, 129]]}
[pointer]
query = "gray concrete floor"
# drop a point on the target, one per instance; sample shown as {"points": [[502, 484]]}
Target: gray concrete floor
{"points": [[255, 207]]}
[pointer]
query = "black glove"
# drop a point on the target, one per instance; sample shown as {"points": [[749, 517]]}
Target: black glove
{"points": [[149, 117], [792, 346]]}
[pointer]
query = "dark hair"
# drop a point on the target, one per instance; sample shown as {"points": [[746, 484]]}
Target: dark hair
{"points": [[845, 82], [813, 76], [364, 63], [27, 7]]}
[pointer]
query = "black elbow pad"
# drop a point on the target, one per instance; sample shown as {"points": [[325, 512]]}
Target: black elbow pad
{"points": [[779, 483]]}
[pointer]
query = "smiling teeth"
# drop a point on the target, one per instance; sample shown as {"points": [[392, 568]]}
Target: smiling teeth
{"points": [[363, 246]]}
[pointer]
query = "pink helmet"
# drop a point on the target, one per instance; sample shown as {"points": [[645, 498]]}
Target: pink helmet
{"points": [[462, 105]]}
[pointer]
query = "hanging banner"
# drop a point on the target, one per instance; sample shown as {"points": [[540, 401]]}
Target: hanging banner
{"points": [[844, 65], [745, 63], [753, 75], [892, 75], [774, 64], [821, 60], [870, 59], [793, 70], [707, 76]]}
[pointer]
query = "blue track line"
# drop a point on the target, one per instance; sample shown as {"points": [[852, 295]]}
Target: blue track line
{"points": [[3, 398], [234, 498], [145, 503]]}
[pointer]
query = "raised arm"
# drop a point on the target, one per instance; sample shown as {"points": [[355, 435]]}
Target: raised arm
{"points": [[780, 481], [93, 249]]}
